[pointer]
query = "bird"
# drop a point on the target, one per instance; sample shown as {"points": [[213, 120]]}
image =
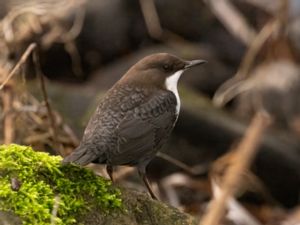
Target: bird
{"points": [[135, 117]]}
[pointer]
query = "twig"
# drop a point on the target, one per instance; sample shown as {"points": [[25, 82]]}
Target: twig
{"points": [[236, 212], [69, 37], [151, 18], [245, 154], [185, 167], [55, 210], [269, 6], [71, 134], [231, 87], [125, 171], [41, 11], [22, 60], [46, 99], [269, 29], [77, 25], [233, 20], [156, 31], [71, 48], [37, 138], [8, 120], [283, 15]]}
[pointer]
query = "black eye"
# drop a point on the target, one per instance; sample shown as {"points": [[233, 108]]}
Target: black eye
{"points": [[166, 67]]}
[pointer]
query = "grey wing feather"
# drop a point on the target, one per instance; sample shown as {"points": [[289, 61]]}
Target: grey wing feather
{"points": [[134, 133], [142, 131], [80, 156]]}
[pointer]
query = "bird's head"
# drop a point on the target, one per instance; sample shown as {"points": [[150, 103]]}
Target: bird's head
{"points": [[160, 70]]}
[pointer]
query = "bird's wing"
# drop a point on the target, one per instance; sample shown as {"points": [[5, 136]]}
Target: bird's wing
{"points": [[99, 136], [143, 129]]}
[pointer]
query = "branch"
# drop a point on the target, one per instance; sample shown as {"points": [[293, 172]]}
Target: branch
{"points": [[245, 153], [233, 20], [8, 120], [53, 129], [22, 60], [232, 87], [151, 19]]}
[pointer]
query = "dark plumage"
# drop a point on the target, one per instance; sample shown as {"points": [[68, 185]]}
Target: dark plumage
{"points": [[135, 117]]}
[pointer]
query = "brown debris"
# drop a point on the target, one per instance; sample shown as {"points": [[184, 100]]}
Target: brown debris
{"points": [[42, 25]]}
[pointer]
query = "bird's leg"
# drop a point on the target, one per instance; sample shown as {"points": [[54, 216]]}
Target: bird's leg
{"points": [[110, 171], [142, 174]]}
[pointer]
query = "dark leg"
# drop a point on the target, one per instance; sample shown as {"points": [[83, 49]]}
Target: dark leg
{"points": [[110, 171], [142, 173]]}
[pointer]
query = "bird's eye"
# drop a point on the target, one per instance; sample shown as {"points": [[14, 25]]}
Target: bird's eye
{"points": [[166, 67]]}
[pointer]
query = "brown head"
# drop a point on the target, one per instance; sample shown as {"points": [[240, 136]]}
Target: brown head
{"points": [[156, 69]]}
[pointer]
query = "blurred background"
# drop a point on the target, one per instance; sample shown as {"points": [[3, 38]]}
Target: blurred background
{"points": [[58, 57]]}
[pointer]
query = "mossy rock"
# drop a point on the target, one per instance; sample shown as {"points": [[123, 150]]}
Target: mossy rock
{"points": [[37, 189]]}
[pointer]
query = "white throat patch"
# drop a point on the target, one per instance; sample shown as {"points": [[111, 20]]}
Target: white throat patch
{"points": [[171, 85]]}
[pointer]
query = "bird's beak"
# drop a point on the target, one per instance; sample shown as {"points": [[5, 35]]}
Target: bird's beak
{"points": [[193, 63]]}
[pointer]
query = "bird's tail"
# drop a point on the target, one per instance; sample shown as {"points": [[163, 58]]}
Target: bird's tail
{"points": [[80, 156]]}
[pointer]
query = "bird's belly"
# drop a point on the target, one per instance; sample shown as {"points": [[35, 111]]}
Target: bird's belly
{"points": [[131, 159]]}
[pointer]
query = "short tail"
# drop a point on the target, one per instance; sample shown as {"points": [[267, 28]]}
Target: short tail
{"points": [[80, 156]]}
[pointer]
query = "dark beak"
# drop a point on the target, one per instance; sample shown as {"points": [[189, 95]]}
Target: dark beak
{"points": [[193, 63]]}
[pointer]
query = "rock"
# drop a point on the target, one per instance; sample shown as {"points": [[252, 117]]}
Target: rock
{"points": [[49, 191], [140, 210]]}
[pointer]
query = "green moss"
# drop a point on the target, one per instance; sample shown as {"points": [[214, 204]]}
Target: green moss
{"points": [[42, 180]]}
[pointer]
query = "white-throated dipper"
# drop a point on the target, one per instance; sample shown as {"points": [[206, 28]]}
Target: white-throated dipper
{"points": [[135, 117]]}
